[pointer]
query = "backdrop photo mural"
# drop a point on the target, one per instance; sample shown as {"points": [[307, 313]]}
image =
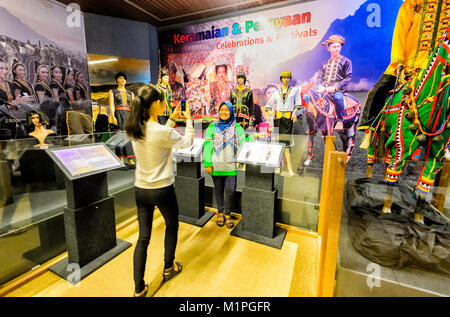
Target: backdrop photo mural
{"points": [[203, 59], [43, 66]]}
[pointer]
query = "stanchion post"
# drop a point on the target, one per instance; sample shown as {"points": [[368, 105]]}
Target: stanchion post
{"points": [[330, 213]]}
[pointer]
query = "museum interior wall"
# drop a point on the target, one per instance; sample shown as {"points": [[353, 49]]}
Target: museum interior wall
{"points": [[379, 232]]}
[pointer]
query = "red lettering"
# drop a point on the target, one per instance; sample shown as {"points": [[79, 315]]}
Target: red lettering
{"points": [[182, 38], [176, 39]]}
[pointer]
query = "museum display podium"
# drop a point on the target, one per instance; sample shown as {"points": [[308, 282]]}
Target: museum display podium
{"points": [[89, 220], [190, 185], [259, 194]]}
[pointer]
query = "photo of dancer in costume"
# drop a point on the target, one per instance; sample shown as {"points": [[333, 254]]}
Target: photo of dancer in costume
{"points": [[80, 89], [41, 87], [219, 89], [22, 88], [328, 102], [178, 91]]}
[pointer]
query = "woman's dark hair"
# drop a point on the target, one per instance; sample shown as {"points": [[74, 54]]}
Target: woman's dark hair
{"points": [[139, 114], [42, 118], [241, 75], [223, 65], [30, 115], [120, 75], [101, 124]]}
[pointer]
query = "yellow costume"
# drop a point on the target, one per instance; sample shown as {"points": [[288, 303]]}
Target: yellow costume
{"points": [[418, 30]]}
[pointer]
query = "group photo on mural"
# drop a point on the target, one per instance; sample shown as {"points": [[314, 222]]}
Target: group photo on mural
{"points": [[37, 74]]}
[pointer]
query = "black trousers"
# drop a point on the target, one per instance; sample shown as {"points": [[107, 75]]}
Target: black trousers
{"points": [[146, 200], [375, 101], [122, 118], [224, 188]]}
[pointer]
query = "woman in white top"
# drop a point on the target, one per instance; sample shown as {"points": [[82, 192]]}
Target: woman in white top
{"points": [[152, 145]]}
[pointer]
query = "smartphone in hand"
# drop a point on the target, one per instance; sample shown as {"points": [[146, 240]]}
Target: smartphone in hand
{"points": [[183, 105]]}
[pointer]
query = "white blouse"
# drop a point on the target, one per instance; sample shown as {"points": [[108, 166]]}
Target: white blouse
{"points": [[293, 100], [154, 161]]}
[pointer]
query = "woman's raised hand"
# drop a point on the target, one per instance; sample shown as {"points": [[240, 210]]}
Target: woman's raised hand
{"points": [[187, 113]]}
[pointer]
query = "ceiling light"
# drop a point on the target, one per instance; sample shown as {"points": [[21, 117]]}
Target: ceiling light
{"points": [[103, 61]]}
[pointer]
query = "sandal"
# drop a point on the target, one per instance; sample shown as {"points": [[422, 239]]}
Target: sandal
{"points": [[174, 270], [220, 219], [143, 293], [229, 222]]}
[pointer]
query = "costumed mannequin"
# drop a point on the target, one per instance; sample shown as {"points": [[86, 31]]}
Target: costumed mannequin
{"points": [[164, 85], [416, 116], [419, 27], [223, 138], [40, 132], [286, 103], [242, 100], [42, 88], [120, 100], [22, 89], [80, 90]]}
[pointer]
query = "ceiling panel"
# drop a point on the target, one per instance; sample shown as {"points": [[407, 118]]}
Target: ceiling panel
{"points": [[166, 12]]}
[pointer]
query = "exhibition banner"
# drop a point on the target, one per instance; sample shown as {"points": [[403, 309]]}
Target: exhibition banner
{"points": [[206, 57], [43, 66]]}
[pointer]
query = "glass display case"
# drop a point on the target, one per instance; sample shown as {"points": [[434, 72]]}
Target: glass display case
{"points": [[33, 197]]}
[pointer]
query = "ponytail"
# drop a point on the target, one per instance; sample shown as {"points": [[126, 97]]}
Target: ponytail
{"points": [[139, 114]]}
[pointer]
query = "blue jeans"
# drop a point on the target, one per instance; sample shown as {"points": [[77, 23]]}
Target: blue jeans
{"points": [[339, 105]]}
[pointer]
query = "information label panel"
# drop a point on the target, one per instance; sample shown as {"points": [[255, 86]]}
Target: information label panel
{"points": [[84, 160], [194, 150], [261, 153]]}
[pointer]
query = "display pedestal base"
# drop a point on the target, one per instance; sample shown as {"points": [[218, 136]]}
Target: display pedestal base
{"points": [[275, 242], [51, 236], [90, 228], [199, 222], [67, 271], [258, 209], [190, 192]]}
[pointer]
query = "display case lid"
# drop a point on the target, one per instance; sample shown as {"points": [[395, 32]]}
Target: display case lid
{"points": [[193, 151], [261, 153], [85, 160]]}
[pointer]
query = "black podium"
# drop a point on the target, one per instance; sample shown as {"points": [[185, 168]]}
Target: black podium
{"points": [[259, 196], [89, 218], [190, 186]]}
